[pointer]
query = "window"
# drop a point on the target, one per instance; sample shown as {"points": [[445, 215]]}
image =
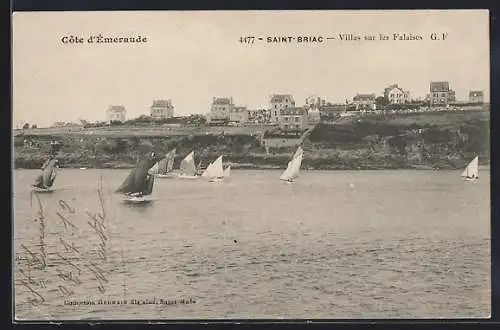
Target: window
{"points": [[297, 119], [286, 127], [297, 126]]}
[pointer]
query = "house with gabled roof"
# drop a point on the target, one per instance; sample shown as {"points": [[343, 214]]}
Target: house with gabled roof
{"points": [[396, 95], [364, 101], [162, 109], [116, 113], [440, 93], [278, 102], [292, 119], [476, 97], [221, 108]]}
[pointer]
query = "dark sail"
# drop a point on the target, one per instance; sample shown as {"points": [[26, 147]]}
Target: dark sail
{"points": [[46, 178], [139, 181], [39, 182], [148, 186]]}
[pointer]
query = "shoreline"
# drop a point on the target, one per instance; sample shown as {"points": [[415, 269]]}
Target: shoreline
{"points": [[256, 167], [423, 141]]}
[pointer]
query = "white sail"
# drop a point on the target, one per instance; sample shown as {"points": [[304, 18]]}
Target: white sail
{"points": [[154, 169], [299, 151], [214, 170], [293, 169], [187, 165], [471, 171], [170, 161], [161, 167], [227, 171]]}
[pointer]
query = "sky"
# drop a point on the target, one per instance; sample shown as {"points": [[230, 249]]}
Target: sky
{"points": [[191, 57]]}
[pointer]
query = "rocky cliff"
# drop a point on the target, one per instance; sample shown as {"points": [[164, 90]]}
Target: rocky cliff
{"points": [[430, 140]]}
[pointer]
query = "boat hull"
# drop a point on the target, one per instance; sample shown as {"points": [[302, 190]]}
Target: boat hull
{"points": [[168, 176], [471, 179], [188, 177], [216, 180], [42, 190], [136, 200]]}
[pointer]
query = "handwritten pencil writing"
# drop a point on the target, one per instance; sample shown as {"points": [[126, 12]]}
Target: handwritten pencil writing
{"points": [[97, 221], [66, 206], [69, 263], [66, 211], [65, 291], [73, 262], [99, 276], [33, 259], [33, 300], [101, 200], [68, 276], [41, 219], [69, 246], [43, 253], [30, 280], [99, 229], [65, 221], [32, 262]]}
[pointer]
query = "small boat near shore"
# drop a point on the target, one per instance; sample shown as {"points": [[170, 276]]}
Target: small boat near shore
{"points": [[138, 185], [214, 171], [471, 172], [187, 168], [163, 168], [45, 180], [293, 168]]}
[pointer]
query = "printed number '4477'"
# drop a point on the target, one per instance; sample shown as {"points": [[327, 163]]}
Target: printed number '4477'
{"points": [[247, 40]]}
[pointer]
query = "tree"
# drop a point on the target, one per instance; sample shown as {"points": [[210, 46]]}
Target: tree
{"points": [[381, 101], [26, 126]]}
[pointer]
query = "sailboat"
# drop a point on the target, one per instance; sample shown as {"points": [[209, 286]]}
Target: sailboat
{"points": [[297, 152], [187, 167], [45, 180], [471, 172], [227, 171], [214, 171], [163, 169], [199, 169], [138, 185], [293, 168]]}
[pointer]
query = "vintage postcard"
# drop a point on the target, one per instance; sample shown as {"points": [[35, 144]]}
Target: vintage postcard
{"points": [[251, 165]]}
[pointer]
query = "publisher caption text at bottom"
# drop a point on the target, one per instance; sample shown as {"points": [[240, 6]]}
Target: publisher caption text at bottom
{"points": [[154, 301]]}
